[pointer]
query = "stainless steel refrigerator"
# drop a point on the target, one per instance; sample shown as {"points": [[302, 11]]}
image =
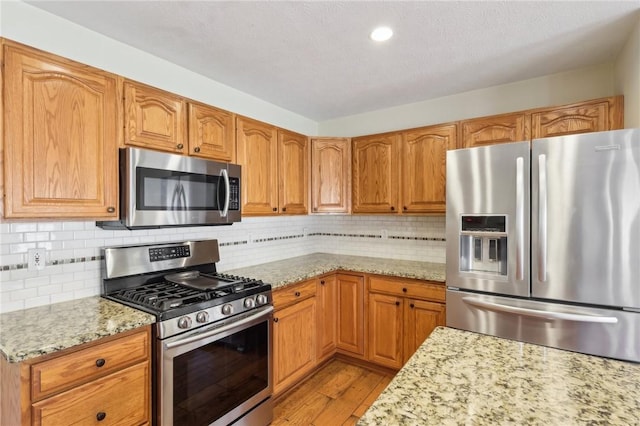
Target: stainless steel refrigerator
{"points": [[543, 242]]}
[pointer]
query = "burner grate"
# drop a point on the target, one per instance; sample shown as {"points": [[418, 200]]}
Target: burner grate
{"points": [[161, 296]]}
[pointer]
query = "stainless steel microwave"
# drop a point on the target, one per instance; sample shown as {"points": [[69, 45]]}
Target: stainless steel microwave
{"points": [[160, 190]]}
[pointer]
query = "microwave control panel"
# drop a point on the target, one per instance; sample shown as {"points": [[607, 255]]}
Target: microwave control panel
{"points": [[234, 193]]}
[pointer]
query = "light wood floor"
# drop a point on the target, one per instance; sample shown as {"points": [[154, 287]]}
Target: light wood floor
{"points": [[338, 394]]}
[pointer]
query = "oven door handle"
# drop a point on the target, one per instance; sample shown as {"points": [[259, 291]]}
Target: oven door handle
{"points": [[194, 338]]}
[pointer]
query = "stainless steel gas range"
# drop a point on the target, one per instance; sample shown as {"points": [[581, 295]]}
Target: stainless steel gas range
{"points": [[213, 333]]}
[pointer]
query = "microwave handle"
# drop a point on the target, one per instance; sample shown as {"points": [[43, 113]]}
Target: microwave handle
{"points": [[176, 193], [227, 191]]}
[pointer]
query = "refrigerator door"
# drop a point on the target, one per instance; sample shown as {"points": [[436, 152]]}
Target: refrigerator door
{"points": [[487, 222], [603, 332], [586, 218]]}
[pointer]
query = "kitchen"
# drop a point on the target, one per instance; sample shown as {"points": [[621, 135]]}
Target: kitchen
{"points": [[73, 270]]}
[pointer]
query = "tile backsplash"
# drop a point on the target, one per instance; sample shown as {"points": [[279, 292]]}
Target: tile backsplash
{"points": [[73, 249]]}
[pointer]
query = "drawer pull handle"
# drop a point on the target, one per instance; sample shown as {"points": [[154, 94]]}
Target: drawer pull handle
{"points": [[404, 290], [101, 416], [297, 294], [100, 362]]}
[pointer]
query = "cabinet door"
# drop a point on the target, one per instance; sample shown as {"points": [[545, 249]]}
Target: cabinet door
{"points": [[257, 149], [375, 174], [385, 330], [154, 119], [591, 116], [327, 302], [495, 129], [294, 343], [62, 122], [424, 154], [351, 314], [331, 175], [212, 133], [420, 319], [293, 167]]}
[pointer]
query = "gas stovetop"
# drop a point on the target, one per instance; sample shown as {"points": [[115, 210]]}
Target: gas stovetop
{"points": [[178, 283]]}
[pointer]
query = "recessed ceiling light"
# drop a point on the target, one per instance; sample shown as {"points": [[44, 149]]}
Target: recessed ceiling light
{"points": [[381, 34]]}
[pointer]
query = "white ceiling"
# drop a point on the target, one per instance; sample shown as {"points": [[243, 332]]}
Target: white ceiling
{"points": [[315, 58]]}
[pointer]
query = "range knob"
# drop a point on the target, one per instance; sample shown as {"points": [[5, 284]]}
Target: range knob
{"points": [[249, 303], [227, 309], [261, 299], [184, 322], [202, 316]]}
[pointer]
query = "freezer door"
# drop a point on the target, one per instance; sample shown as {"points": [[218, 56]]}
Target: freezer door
{"points": [[586, 218], [603, 332], [489, 186]]}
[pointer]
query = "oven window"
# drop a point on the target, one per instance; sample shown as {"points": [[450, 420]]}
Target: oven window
{"points": [[210, 381], [170, 190]]}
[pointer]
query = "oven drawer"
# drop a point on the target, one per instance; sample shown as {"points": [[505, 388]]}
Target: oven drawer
{"points": [[79, 367], [293, 293], [119, 398]]}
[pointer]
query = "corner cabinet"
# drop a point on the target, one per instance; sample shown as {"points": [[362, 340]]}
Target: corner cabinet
{"points": [[376, 173], [154, 118], [350, 338], [62, 124], [327, 310], [330, 175], [104, 381]]}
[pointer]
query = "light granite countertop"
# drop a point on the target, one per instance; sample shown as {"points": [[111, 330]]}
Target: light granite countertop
{"points": [[42, 330], [288, 271], [458, 377]]}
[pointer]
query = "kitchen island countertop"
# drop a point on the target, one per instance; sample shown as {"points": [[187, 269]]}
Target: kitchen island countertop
{"points": [[32, 332], [458, 377], [283, 272]]}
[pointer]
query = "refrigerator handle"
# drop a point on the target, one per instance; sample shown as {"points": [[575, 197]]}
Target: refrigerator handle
{"points": [[542, 218], [520, 219], [549, 315]]}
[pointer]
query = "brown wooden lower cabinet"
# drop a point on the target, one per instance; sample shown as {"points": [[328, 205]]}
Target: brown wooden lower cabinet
{"points": [[108, 380], [351, 334]]}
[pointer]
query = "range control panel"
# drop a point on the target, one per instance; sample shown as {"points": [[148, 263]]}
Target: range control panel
{"points": [[165, 253]]}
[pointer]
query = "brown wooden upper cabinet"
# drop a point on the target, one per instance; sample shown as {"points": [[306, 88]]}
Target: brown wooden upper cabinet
{"points": [[595, 115], [275, 167], [495, 129], [402, 172], [154, 119], [376, 173], [62, 124], [212, 133], [423, 180], [591, 116], [331, 175]]}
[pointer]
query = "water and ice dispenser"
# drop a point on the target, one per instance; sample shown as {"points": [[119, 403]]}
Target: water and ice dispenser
{"points": [[483, 244]]}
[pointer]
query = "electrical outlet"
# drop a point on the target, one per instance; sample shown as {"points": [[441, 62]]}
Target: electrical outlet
{"points": [[37, 259]]}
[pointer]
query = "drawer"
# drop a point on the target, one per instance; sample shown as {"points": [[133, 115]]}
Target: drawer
{"points": [[72, 369], [121, 398], [294, 293], [417, 289]]}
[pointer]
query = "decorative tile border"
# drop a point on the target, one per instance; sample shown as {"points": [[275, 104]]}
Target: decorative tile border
{"points": [[398, 237], [285, 237], [331, 234], [54, 262], [233, 243]]}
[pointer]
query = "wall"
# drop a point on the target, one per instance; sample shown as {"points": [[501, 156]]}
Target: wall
{"points": [[556, 89], [34, 27], [73, 249], [627, 73]]}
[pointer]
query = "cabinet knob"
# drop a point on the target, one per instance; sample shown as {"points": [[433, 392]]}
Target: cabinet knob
{"points": [[284, 209], [180, 146], [404, 289], [100, 362], [101, 416], [315, 209], [412, 306], [275, 320], [404, 207], [275, 209], [111, 209], [393, 208], [196, 149], [297, 294], [322, 282], [397, 303]]}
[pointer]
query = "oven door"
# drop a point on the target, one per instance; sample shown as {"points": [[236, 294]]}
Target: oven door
{"points": [[218, 375]]}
